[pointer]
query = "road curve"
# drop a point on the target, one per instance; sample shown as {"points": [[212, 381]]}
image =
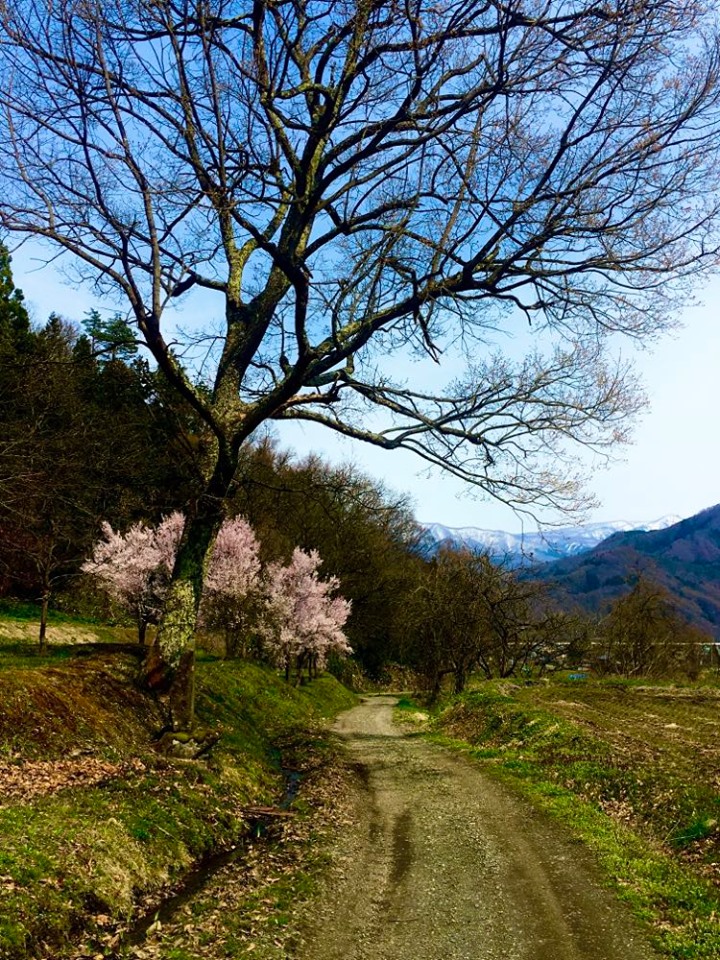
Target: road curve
{"points": [[445, 864]]}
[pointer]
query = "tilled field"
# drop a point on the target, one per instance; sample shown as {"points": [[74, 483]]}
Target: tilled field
{"points": [[664, 742]]}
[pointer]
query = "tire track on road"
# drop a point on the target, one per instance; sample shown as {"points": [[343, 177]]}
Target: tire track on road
{"points": [[446, 864]]}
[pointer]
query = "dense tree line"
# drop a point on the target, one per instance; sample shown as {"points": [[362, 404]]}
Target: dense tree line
{"points": [[90, 435]]}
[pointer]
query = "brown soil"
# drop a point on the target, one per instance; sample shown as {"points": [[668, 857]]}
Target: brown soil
{"points": [[445, 864]]}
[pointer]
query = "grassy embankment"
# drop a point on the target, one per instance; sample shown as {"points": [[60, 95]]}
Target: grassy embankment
{"points": [[94, 821], [633, 769]]}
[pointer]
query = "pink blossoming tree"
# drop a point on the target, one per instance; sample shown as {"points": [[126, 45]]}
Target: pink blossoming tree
{"points": [[294, 614], [135, 568], [232, 586], [302, 621]]}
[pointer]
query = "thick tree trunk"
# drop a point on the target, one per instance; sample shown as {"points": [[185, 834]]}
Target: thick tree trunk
{"points": [[176, 633], [435, 687], [171, 664]]}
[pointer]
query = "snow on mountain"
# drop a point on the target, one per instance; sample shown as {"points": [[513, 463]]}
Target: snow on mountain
{"points": [[536, 547]]}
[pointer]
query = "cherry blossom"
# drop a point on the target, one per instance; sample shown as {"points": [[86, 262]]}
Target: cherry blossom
{"points": [[302, 622], [296, 616], [135, 567], [232, 584]]}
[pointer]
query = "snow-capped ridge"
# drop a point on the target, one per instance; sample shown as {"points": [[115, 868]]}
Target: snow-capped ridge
{"points": [[537, 546]]}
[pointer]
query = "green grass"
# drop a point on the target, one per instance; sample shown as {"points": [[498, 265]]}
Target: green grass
{"points": [[14, 655], [76, 856], [19, 635], [616, 773], [406, 703], [25, 611]]}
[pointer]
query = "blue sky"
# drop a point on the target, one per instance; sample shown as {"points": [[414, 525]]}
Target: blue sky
{"points": [[673, 466]]}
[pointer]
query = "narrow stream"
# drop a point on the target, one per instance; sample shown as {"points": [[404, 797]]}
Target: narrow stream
{"points": [[197, 879]]}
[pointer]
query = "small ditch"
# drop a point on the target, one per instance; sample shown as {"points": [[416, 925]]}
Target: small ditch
{"points": [[259, 826], [293, 780]]}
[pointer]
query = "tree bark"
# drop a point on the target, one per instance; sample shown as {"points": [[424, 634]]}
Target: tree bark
{"points": [[42, 640], [171, 664]]}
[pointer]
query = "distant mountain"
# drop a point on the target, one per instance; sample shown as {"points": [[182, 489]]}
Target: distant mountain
{"points": [[530, 548], [684, 557]]}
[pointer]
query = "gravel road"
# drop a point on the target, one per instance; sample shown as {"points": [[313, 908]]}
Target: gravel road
{"points": [[445, 864]]}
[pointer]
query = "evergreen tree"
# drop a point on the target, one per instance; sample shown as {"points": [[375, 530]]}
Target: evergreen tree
{"points": [[83, 439], [14, 319]]}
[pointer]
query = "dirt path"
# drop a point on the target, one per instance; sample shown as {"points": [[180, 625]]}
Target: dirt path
{"points": [[446, 865]]}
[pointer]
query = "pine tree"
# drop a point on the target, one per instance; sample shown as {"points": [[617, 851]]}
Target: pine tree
{"points": [[14, 318]]}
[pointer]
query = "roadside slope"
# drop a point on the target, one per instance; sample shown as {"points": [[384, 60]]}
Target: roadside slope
{"points": [[96, 824]]}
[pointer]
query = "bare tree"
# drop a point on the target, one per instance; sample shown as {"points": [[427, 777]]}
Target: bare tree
{"points": [[446, 618], [469, 614], [516, 624], [357, 179], [645, 634]]}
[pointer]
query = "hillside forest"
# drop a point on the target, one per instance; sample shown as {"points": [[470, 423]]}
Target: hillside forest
{"points": [[99, 460]]}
